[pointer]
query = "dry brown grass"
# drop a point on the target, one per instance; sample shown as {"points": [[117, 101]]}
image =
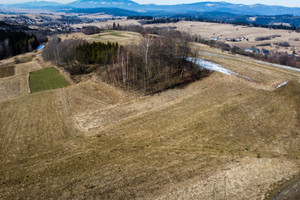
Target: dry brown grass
{"points": [[266, 76], [13, 86], [222, 137], [109, 23], [122, 37], [17, 85], [190, 137], [25, 68], [208, 30]]}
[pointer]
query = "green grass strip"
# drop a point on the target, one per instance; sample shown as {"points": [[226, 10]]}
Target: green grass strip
{"points": [[46, 79]]}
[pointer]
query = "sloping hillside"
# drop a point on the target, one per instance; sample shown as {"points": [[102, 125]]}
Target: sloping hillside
{"points": [[221, 137]]}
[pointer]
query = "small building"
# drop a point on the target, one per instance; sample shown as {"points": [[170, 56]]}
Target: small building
{"points": [[264, 51], [252, 50]]}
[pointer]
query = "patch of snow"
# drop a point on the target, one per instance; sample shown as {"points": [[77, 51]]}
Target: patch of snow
{"points": [[216, 67], [209, 4], [282, 84], [257, 61], [211, 66]]}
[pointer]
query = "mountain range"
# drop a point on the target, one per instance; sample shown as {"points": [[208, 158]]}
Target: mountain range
{"points": [[239, 9]]}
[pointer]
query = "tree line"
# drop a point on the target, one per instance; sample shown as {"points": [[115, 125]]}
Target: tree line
{"points": [[15, 43], [161, 21], [139, 17], [96, 52]]}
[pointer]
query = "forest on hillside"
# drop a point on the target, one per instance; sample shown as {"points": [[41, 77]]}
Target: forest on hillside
{"points": [[156, 64], [15, 43]]}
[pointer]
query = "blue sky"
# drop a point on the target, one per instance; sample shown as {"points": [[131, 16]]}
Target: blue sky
{"points": [[288, 3]]}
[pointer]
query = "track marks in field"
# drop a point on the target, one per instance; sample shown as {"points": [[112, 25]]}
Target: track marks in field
{"points": [[249, 178], [30, 125], [13, 86]]}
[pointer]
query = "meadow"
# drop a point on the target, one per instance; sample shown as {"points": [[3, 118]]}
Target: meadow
{"points": [[223, 137], [46, 79]]}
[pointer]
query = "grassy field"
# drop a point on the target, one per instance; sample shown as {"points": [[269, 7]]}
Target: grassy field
{"points": [[17, 83], [122, 37], [7, 71], [114, 33], [213, 125], [222, 137], [46, 79], [208, 30]]}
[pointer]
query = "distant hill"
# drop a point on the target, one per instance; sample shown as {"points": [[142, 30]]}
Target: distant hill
{"points": [[266, 20], [219, 11], [35, 5], [123, 4], [257, 9], [239, 9], [108, 11]]}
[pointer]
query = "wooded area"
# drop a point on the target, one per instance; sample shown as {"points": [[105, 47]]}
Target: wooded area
{"points": [[15, 43], [96, 53], [156, 64]]}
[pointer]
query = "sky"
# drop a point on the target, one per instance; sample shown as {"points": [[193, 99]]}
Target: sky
{"points": [[287, 3]]}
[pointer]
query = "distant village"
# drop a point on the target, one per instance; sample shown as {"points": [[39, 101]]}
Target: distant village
{"points": [[253, 50], [61, 23]]}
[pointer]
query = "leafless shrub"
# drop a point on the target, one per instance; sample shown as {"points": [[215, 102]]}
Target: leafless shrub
{"points": [[61, 52], [90, 30], [283, 44], [264, 44], [155, 64], [266, 37]]}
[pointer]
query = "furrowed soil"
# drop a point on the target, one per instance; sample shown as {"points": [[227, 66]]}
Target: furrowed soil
{"points": [[222, 137], [6, 71]]}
